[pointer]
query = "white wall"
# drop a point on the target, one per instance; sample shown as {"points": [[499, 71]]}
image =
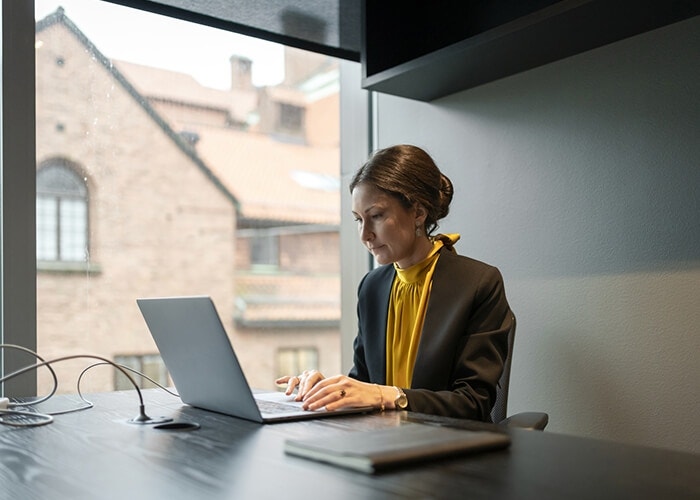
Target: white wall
{"points": [[580, 180]]}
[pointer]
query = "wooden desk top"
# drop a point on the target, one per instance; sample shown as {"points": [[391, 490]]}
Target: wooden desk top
{"points": [[96, 454]]}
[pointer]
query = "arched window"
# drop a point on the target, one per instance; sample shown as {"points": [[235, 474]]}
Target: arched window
{"points": [[61, 214]]}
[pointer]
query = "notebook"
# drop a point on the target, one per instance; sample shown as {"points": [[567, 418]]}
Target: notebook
{"points": [[206, 373], [391, 447]]}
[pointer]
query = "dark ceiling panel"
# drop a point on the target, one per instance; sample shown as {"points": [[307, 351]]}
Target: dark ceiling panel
{"points": [[330, 27]]}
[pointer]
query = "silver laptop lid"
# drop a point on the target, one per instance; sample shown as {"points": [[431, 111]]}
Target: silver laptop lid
{"points": [[197, 352]]}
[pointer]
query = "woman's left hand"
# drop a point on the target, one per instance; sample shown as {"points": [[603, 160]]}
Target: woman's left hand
{"points": [[341, 390], [303, 383]]}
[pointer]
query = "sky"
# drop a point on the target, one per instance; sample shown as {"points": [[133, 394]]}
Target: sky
{"points": [[140, 37]]}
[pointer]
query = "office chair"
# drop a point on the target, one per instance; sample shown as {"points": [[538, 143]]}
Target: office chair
{"points": [[525, 420]]}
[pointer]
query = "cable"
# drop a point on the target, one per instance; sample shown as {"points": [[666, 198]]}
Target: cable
{"points": [[17, 418], [21, 418], [88, 404], [53, 373], [141, 418], [142, 375]]}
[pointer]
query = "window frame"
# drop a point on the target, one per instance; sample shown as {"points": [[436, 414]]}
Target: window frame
{"points": [[18, 193]]}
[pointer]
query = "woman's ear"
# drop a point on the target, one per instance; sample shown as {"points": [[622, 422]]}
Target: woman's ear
{"points": [[421, 213]]}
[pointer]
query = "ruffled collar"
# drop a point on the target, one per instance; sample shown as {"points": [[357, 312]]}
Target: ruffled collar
{"points": [[416, 273]]}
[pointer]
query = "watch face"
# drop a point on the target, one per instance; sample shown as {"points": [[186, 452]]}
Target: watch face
{"points": [[401, 401]]}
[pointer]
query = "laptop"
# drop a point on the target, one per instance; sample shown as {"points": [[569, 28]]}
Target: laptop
{"points": [[203, 365]]}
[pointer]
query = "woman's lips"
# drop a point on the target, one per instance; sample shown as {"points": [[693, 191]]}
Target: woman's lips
{"points": [[375, 249]]}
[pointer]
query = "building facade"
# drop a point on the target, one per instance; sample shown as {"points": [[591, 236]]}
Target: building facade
{"points": [[149, 184]]}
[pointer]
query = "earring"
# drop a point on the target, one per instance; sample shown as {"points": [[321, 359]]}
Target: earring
{"points": [[419, 233]]}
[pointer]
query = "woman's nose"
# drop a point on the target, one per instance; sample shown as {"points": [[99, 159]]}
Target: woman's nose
{"points": [[365, 233]]}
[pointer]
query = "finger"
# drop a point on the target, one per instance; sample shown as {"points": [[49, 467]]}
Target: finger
{"points": [[306, 384], [312, 389], [292, 383], [283, 381], [310, 383], [327, 394], [330, 400]]}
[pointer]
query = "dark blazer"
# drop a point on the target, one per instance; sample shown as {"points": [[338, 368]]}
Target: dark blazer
{"points": [[463, 344]]}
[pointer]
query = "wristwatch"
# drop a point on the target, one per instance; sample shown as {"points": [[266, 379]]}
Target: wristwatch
{"points": [[401, 402]]}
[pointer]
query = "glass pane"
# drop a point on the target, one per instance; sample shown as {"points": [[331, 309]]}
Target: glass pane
{"points": [[152, 367], [46, 228], [308, 358], [73, 225], [121, 382], [287, 362], [188, 144], [295, 360], [59, 179]]}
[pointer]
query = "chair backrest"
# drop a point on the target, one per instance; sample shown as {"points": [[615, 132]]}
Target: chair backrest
{"points": [[500, 407]]}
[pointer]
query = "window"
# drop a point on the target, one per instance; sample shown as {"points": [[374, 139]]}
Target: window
{"points": [[179, 200], [264, 250], [291, 117], [150, 365], [61, 214], [294, 360]]}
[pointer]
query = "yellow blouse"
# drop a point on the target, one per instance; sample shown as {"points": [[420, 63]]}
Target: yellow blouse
{"points": [[407, 305]]}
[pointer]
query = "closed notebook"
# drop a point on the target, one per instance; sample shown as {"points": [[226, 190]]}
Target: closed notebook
{"points": [[384, 448]]}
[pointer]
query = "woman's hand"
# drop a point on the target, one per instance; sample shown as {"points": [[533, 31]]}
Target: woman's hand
{"points": [[303, 382], [341, 390]]}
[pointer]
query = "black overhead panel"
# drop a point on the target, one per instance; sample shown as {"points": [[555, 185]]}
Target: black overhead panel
{"points": [[329, 27]]}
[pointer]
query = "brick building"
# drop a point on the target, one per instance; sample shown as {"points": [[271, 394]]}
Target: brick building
{"points": [[151, 184]]}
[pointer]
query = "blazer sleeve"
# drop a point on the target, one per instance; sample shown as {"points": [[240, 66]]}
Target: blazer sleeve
{"points": [[464, 342]]}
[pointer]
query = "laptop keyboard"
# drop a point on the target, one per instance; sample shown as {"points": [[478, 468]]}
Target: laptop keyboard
{"points": [[274, 407]]}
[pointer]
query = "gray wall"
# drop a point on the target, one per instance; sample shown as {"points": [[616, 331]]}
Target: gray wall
{"points": [[580, 181]]}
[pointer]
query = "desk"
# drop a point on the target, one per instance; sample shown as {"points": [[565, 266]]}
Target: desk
{"points": [[96, 454]]}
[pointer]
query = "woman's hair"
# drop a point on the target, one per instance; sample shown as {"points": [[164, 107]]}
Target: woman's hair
{"points": [[409, 174]]}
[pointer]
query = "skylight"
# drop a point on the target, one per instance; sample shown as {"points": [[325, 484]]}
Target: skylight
{"points": [[313, 180]]}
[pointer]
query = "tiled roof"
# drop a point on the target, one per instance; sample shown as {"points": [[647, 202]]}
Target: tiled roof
{"points": [[272, 179], [162, 84]]}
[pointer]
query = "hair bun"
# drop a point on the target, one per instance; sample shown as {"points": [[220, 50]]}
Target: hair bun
{"points": [[446, 193]]}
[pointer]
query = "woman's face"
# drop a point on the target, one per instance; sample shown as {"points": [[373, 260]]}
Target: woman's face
{"points": [[386, 228]]}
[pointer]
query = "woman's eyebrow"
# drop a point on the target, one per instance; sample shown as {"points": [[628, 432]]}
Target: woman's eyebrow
{"points": [[374, 205]]}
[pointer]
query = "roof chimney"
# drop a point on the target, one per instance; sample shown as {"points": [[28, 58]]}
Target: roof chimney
{"points": [[241, 73]]}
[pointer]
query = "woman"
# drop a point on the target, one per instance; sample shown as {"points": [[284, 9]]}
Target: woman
{"points": [[433, 325]]}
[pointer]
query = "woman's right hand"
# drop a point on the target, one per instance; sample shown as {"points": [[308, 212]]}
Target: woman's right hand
{"points": [[303, 382]]}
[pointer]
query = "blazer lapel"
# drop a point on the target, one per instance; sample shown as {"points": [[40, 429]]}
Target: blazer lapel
{"points": [[375, 336], [435, 342]]}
